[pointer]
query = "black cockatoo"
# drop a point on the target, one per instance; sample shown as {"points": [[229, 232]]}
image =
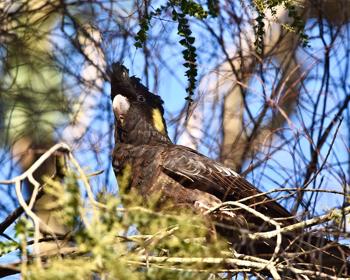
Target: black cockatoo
{"points": [[147, 162]]}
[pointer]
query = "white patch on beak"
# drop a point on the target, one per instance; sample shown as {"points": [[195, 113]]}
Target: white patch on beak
{"points": [[121, 107]]}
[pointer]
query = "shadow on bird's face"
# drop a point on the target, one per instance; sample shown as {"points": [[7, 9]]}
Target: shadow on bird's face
{"points": [[132, 101]]}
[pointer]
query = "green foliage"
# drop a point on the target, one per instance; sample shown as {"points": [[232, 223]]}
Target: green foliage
{"points": [[189, 54], [7, 247], [261, 6], [298, 24], [112, 242], [181, 10], [65, 194], [259, 30], [213, 7], [22, 229], [31, 85], [22, 232]]}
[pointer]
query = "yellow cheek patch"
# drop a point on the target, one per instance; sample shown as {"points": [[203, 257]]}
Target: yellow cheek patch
{"points": [[124, 178], [158, 121]]}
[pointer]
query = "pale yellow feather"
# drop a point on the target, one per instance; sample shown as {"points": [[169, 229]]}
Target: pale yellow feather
{"points": [[158, 121]]}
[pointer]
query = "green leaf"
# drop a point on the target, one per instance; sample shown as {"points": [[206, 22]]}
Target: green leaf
{"points": [[138, 45], [191, 40], [183, 42]]}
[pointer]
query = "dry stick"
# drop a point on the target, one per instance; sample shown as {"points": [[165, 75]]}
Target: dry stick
{"points": [[9, 269], [269, 234], [158, 236], [197, 260], [271, 264], [281, 197], [278, 232], [327, 155], [248, 262], [301, 225], [247, 265], [35, 192], [14, 216], [304, 224], [28, 207], [60, 146], [86, 182], [285, 190], [233, 262], [24, 206], [90, 194], [314, 157], [289, 190], [32, 215], [14, 268]]}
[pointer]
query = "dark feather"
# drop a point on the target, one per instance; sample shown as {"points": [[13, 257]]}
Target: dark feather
{"points": [[196, 171], [182, 177]]}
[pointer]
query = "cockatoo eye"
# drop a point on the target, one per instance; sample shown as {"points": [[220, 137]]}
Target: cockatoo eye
{"points": [[141, 98], [121, 106]]}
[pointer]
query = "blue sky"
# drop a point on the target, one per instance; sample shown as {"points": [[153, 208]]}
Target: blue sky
{"points": [[172, 90]]}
